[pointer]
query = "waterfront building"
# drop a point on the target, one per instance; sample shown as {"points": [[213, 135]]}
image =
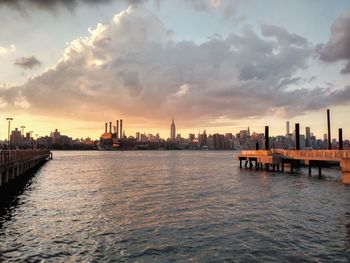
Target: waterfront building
{"points": [[16, 137], [55, 136]]}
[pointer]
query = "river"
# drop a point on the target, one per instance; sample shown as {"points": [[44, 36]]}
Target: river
{"points": [[173, 206]]}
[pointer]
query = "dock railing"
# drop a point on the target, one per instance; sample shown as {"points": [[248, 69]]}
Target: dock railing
{"points": [[11, 156], [304, 154]]}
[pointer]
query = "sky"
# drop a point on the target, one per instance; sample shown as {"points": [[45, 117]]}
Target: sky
{"points": [[218, 65]]}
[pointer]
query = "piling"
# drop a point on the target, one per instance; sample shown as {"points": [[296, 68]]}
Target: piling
{"points": [[329, 130], [15, 163], [297, 136], [267, 137], [340, 132]]}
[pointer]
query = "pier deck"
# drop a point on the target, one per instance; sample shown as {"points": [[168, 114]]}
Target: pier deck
{"points": [[15, 163], [276, 159]]}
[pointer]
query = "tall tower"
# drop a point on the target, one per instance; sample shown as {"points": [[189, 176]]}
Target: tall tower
{"points": [[287, 128], [172, 130], [307, 132]]}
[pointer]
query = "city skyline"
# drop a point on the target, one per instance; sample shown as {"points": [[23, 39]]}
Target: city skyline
{"points": [[222, 68], [173, 133]]}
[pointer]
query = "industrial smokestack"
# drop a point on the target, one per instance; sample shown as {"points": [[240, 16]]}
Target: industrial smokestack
{"points": [[110, 127], [121, 128], [329, 130], [267, 137], [106, 127], [340, 139], [117, 130], [297, 136]]}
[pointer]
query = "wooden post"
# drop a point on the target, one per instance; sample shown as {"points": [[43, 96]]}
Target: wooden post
{"points": [[329, 130], [340, 131], [267, 138], [297, 136], [345, 168], [309, 169]]}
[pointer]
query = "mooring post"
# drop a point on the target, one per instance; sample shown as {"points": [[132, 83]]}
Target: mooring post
{"points": [[345, 168], [297, 136], [319, 170], [309, 169], [340, 131], [267, 138], [329, 130]]}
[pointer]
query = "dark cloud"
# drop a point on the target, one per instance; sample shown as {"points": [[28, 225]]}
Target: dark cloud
{"points": [[346, 70], [23, 5], [338, 46], [132, 67], [27, 62], [282, 36]]}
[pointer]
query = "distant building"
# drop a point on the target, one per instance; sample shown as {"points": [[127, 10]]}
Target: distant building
{"points": [[56, 135], [172, 130], [307, 132], [16, 137]]}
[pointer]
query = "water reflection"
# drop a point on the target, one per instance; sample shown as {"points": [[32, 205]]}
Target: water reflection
{"points": [[173, 206], [14, 194]]}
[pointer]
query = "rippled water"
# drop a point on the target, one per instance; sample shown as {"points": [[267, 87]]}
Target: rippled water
{"points": [[161, 206]]}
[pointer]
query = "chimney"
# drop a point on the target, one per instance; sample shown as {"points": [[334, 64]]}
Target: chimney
{"points": [[329, 130], [297, 136], [106, 127], [117, 130], [110, 127], [267, 137], [121, 129]]}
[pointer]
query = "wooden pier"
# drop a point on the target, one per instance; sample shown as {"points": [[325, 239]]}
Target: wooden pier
{"points": [[16, 163], [277, 160]]}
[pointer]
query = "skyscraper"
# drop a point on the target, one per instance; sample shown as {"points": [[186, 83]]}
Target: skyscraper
{"points": [[287, 128], [172, 130], [307, 132]]}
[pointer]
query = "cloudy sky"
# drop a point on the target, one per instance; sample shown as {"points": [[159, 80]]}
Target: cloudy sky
{"points": [[219, 65]]}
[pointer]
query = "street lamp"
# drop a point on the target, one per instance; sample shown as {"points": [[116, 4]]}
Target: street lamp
{"points": [[8, 134]]}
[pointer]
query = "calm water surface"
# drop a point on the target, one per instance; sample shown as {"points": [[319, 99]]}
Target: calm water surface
{"points": [[168, 206]]}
